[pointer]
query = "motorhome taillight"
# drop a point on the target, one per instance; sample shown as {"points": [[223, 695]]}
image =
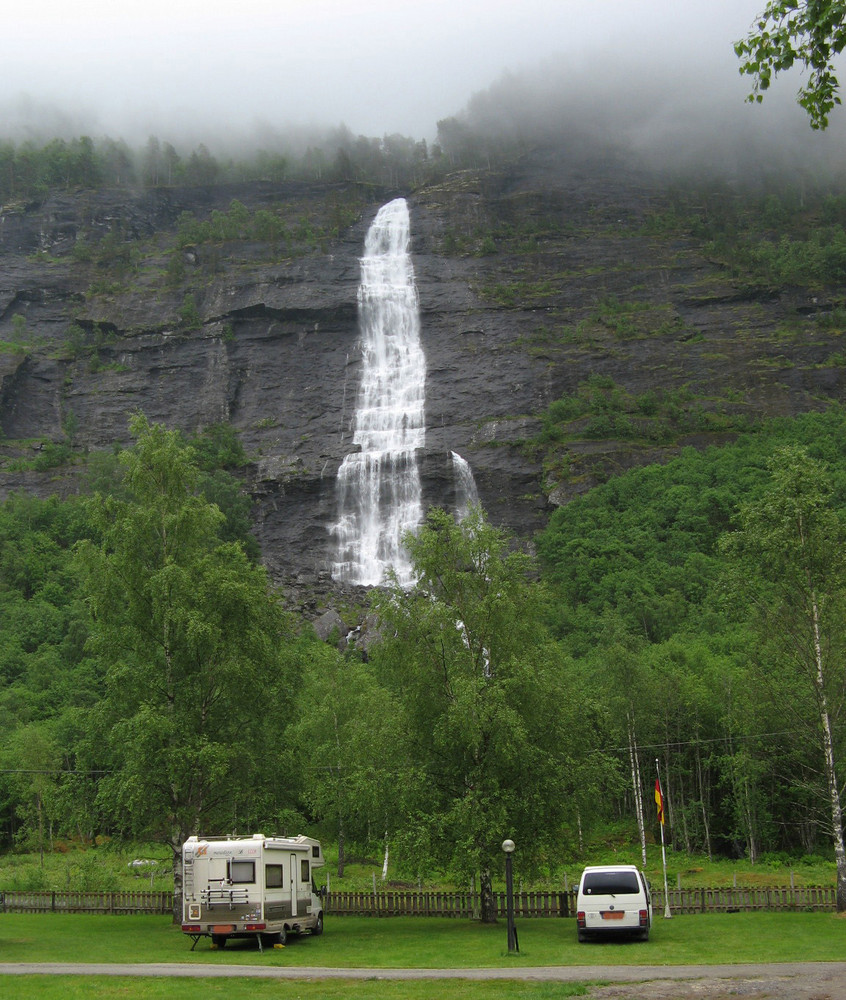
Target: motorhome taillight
{"points": [[644, 918], [254, 927], [191, 929]]}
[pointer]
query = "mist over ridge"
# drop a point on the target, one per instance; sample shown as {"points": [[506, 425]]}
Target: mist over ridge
{"points": [[691, 119], [663, 91]]}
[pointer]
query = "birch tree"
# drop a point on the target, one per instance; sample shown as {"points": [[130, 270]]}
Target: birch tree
{"points": [[791, 552], [356, 771], [191, 640], [490, 725]]}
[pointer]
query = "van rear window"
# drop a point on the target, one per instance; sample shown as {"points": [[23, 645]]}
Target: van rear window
{"points": [[610, 883], [242, 871]]}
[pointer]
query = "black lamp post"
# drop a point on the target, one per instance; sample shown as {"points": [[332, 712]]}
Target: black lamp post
{"points": [[508, 847]]}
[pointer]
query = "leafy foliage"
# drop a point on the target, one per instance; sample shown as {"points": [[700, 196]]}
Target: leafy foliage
{"points": [[467, 657], [188, 633], [637, 569], [790, 552], [804, 33], [356, 780], [601, 409], [51, 681], [504, 698]]}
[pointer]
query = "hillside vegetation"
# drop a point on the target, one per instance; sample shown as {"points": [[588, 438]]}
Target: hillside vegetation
{"points": [[684, 606], [646, 654]]}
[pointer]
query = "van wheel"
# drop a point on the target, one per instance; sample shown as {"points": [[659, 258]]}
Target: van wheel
{"points": [[317, 930], [644, 935], [582, 936]]}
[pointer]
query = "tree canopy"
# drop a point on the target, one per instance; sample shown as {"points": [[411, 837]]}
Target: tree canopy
{"points": [[189, 636], [467, 656], [808, 34], [791, 554], [150, 684]]}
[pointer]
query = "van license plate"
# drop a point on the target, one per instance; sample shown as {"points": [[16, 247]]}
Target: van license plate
{"points": [[612, 914]]}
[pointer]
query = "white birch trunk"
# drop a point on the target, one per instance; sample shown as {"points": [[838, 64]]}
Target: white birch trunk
{"points": [[830, 769], [636, 785]]}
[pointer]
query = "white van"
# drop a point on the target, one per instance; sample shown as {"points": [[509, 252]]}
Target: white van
{"points": [[613, 899]]}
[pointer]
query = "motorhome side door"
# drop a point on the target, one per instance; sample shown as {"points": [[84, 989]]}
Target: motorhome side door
{"points": [[293, 884]]}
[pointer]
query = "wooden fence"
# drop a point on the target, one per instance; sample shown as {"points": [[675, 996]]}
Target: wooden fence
{"points": [[445, 904], [439, 904], [24, 901], [739, 900], [563, 904]]}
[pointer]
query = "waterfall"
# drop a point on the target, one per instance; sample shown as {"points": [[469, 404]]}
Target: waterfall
{"points": [[379, 494], [466, 494]]}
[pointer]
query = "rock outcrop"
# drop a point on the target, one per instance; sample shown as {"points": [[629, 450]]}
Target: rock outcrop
{"points": [[275, 347]]}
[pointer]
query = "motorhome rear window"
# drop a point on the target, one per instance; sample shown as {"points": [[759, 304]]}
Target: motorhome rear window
{"points": [[242, 871], [610, 883]]}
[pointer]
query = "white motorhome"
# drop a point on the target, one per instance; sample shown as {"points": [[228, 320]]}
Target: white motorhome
{"points": [[613, 899], [250, 887]]}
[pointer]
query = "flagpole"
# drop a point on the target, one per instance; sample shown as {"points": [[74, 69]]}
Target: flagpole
{"points": [[660, 800]]}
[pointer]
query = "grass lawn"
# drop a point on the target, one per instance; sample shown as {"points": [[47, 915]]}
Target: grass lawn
{"points": [[421, 942], [124, 988], [356, 942]]}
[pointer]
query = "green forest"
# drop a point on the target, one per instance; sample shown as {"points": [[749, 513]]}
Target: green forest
{"points": [[688, 613]]}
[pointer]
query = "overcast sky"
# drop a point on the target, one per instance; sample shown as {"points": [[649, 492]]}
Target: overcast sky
{"points": [[137, 67]]}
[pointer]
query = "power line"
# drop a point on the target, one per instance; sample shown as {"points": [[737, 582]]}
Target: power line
{"points": [[53, 770], [669, 744], [641, 748]]}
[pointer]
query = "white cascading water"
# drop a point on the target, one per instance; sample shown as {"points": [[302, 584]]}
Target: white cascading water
{"points": [[379, 493], [466, 493]]}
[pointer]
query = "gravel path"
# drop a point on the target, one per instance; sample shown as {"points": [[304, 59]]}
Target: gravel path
{"points": [[782, 981]]}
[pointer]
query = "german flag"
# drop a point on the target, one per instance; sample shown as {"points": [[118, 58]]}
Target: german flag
{"points": [[659, 801]]}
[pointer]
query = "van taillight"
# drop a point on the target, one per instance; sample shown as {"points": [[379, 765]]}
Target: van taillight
{"points": [[580, 918], [644, 917]]}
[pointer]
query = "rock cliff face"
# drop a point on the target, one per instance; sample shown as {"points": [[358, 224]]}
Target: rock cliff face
{"points": [[508, 325]]}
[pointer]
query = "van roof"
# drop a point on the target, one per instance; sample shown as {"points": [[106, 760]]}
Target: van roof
{"points": [[612, 868]]}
